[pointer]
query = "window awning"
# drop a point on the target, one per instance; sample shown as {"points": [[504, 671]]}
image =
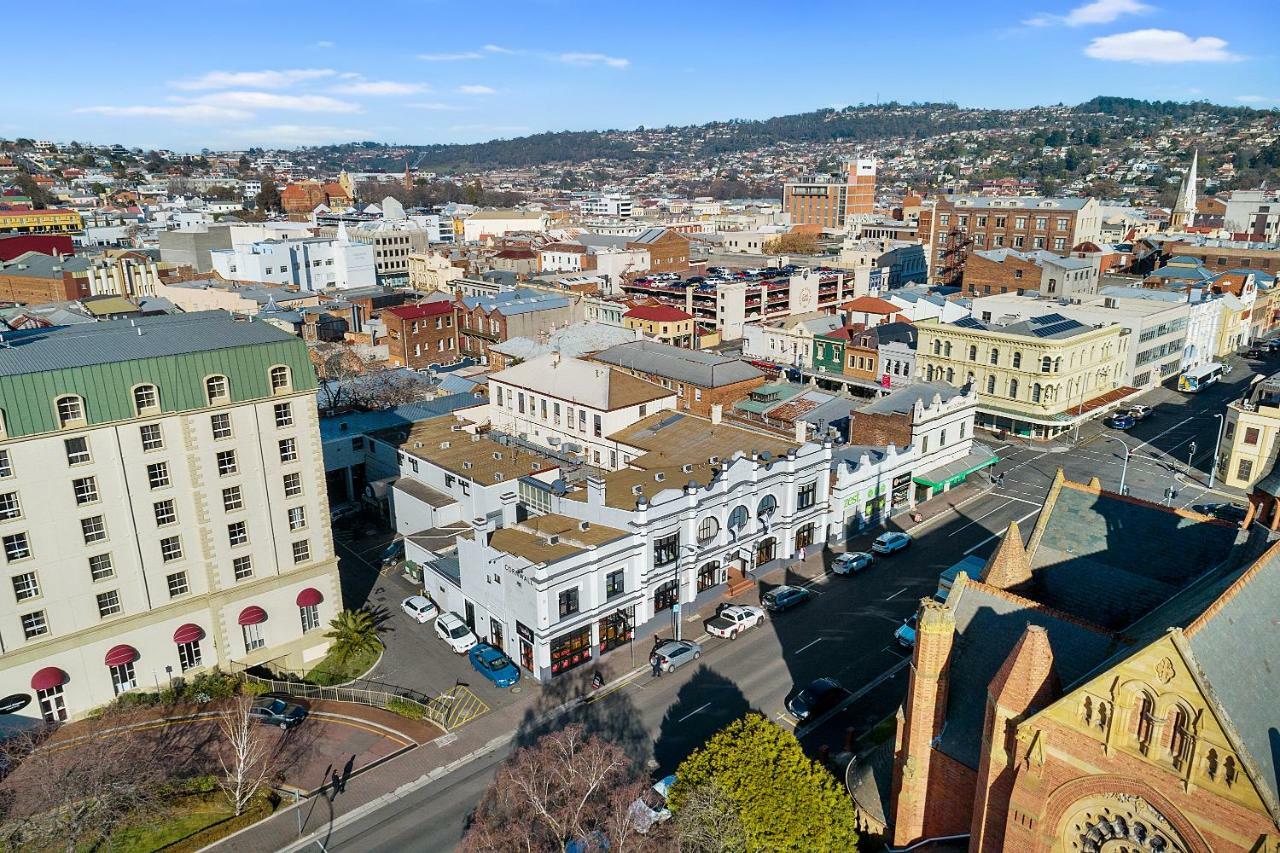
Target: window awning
{"points": [[954, 472], [121, 654], [309, 597], [188, 633], [253, 615], [48, 678]]}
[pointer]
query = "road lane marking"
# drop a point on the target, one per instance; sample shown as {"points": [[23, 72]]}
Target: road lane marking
{"points": [[1157, 435], [976, 520], [694, 711], [808, 645], [997, 535], [896, 594], [855, 696]]}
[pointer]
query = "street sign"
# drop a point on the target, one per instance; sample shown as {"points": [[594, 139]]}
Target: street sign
{"points": [[675, 608], [14, 703]]}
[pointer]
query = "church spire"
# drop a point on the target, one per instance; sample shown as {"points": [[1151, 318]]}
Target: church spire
{"points": [[1184, 208]]}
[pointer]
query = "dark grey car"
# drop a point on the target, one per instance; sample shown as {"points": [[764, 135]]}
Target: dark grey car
{"points": [[277, 711]]}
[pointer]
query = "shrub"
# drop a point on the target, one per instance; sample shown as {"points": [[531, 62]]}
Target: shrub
{"points": [[408, 710]]}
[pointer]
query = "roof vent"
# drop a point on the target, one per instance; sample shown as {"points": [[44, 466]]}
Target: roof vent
{"points": [[466, 466], [497, 454], [553, 539], [584, 525], [475, 437], [686, 468], [637, 489], [497, 476], [713, 460], [455, 428], [444, 445], [417, 445], [659, 477]]}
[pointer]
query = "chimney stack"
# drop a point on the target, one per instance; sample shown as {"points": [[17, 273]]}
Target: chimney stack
{"points": [[717, 412], [595, 491]]}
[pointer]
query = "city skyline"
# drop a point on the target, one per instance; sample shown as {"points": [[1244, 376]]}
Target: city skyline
{"points": [[442, 76]]}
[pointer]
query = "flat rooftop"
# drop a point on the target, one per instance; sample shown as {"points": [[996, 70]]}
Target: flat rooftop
{"points": [[466, 455], [552, 537]]}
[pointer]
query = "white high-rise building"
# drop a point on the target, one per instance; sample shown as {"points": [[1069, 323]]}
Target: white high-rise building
{"points": [[162, 508]]}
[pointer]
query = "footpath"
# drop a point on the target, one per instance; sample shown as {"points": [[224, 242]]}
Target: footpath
{"points": [[293, 826]]}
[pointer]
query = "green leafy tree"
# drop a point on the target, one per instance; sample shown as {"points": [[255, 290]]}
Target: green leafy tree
{"points": [[354, 633], [268, 196], [781, 798]]}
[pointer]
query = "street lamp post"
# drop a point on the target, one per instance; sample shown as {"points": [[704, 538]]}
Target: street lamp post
{"points": [[1217, 448], [1191, 454], [1124, 471]]}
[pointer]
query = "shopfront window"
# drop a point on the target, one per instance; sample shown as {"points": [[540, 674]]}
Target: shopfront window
{"points": [[708, 574], [766, 550], [570, 650], [53, 707], [123, 678], [804, 537], [617, 629], [666, 596], [666, 549]]}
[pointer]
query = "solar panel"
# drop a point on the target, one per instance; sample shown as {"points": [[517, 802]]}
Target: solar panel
{"points": [[1057, 328], [1048, 318], [969, 323]]}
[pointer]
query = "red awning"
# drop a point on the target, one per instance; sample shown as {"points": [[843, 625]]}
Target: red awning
{"points": [[48, 678], [188, 633], [309, 596], [120, 655], [253, 615]]}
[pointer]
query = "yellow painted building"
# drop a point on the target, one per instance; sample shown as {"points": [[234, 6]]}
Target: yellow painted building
{"points": [[1037, 377], [1248, 446], [664, 323], [50, 221]]}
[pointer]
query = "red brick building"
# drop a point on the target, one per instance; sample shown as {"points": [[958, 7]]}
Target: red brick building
{"points": [[668, 250], [421, 335], [1107, 687]]}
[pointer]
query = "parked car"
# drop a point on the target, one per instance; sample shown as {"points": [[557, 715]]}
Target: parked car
{"points": [[1223, 511], [1120, 420], [1140, 412], [851, 562], [891, 542], [733, 620], [393, 553], [906, 633], [1255, 352], [783, 598], [494, 665], [347, 512], [676, 653], [420, 608], [451, 629], [819, 696], [277, 710], [650, 807]]}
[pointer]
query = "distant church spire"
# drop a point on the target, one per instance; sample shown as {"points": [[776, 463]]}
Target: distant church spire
{"points": [[1184, 208]]}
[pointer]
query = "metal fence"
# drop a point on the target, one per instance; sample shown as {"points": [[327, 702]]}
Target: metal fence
{"points": [[449, 710]]}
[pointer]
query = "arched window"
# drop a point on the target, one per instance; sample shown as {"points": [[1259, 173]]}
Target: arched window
{"points": [[928, 373], [280, 379], [1035, 392], [146, 398], [217, 389], [973, 352], [1013, 389], [951, 376], [1146, 721], [708, 529], [1086, 711], [995, 355], [1229, 771], [1017, 359], [991, 384], [767, 506], [1045, 363], [70, 410], [947, 349], [1180, 737], [1211, 765], [739, 517], [937, 347]]}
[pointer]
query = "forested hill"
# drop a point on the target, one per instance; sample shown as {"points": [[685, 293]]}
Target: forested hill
{"points": [[862, 123]]}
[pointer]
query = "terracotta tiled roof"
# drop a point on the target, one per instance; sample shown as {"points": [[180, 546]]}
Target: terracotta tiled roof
{"points": [[426, 309], [870, 305], [1008, 566], [1027, 679], [658, 313]]}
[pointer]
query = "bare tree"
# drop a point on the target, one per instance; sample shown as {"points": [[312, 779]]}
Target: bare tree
{"points": [[707, 822], [567, 788], [247, 755], [76, 792]]}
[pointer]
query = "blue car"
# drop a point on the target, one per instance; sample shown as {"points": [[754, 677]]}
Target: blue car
{"points": [[494, 665]]}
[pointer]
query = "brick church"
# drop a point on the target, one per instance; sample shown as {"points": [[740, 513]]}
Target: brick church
{"points": [[1113, 686]]}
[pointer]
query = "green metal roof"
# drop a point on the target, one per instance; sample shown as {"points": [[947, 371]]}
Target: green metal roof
{"points": [[103, 362]]}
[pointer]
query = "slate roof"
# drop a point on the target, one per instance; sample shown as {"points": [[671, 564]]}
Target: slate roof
{"points": [[903, 400], [1112, 560], [695, 367], [40, 265], [574, 341], [989, 623], [115, 341], [582, 382]]}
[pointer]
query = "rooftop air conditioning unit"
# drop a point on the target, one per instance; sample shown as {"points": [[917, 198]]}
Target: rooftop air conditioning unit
{"points": [[659, 477], [444, 445]]}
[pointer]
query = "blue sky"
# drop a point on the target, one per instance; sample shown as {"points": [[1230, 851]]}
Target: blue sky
{"points": [[234, 74]]}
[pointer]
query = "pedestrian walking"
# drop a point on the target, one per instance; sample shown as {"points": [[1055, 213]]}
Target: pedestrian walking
{"points": [[656, 663]]}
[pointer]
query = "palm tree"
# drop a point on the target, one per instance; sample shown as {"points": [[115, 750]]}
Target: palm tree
{"points": [[354, 633]]}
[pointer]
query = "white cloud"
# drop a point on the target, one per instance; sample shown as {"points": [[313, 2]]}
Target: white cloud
{"points": [[434, 105], [297, 134], [1254, 99], [450, 57], [493, 48], [184, 112], [273, 101], [593, 59], [1160, 46], [1097, 12], [476, 90], [323, 44], [380, 87], [254, 79]]}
